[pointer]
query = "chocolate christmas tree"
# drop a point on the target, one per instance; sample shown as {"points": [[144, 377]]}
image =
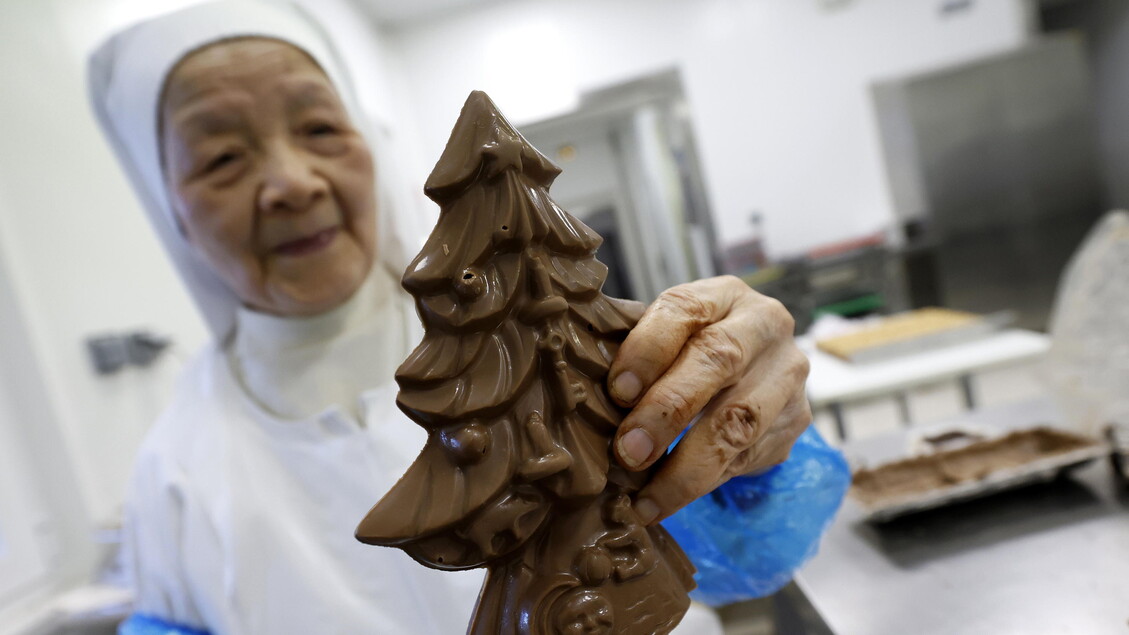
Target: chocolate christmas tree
{"points": [[517, 473]]}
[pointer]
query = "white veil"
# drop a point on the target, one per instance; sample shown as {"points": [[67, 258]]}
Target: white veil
{"points": [[126, 75]]}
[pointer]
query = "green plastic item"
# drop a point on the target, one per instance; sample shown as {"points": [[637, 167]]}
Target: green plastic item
{"points": [[854, 306]]}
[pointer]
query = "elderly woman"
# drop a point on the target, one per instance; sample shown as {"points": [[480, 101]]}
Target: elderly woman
{"points": [[237, 128]]}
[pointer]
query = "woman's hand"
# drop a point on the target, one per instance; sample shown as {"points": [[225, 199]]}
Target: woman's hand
{"points": [[720, 352]]}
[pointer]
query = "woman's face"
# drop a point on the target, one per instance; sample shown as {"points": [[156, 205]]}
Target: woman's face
{"points": [[269, 180]]}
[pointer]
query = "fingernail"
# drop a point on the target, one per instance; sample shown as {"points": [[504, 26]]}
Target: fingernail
{"points": [[626, 387], [647, 510], [635, 447]]}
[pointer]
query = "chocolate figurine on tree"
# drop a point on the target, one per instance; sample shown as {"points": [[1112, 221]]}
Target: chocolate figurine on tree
{"points": [[517, 473]]}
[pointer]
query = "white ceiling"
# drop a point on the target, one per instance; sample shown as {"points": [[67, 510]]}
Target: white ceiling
{"points": [[400, 12]]}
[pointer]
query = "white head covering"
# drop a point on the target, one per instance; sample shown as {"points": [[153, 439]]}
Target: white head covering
{"points": [[126, 76]]}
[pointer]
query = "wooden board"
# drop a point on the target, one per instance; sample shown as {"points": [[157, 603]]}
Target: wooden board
{"points": [[897, 329]]}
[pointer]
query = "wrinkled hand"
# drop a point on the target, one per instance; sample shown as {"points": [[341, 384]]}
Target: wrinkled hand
{"points": [[717, 349]]}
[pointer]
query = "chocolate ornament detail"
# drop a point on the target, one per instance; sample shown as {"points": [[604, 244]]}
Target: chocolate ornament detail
{"points": [[517, 474]]}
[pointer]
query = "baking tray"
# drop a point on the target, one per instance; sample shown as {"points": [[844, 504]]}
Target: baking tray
{"points": [[913, 332], [1040, 469]]}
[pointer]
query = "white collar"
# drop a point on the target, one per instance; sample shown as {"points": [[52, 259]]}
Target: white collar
{"points": [[298, 367]]}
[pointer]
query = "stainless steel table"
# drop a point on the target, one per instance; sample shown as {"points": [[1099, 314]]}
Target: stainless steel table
{"points": [[1049, 558]]}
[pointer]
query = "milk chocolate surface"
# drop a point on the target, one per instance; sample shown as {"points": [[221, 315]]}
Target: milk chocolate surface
{"points": [[509, 382], [943, 469]]}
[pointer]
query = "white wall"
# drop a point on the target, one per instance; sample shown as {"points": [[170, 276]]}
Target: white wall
{"points": [[42, 517], [80, 255], [778, 88]]}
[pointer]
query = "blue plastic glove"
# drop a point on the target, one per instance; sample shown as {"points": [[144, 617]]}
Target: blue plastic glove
{"points": [[145, 625], [748, 537]]}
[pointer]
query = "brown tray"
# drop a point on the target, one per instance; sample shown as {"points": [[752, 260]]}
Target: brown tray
{"points": [[924, 482]]}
